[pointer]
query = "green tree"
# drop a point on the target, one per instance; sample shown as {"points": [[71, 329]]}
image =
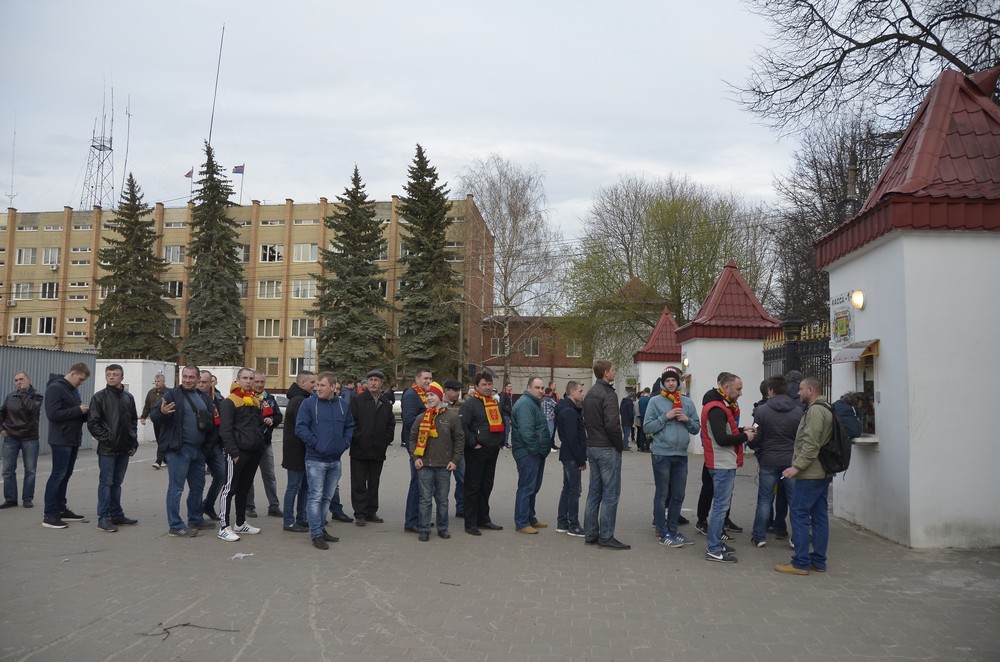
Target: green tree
{"points": [[429, 316], [352, 336], [216, 325], [132, 320]]}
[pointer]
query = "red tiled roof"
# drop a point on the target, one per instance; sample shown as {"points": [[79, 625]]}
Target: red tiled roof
{"points": [[944, 175], [662, 344], [731, 310]]}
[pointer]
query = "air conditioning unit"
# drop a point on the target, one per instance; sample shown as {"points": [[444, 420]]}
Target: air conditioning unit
{"points": [[54, 267], [11, 302], [10, 337]]}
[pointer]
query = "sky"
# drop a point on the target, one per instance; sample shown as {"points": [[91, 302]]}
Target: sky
{"points": [[584, 91]]}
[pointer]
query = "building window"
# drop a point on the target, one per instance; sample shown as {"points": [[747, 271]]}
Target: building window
{"points": [[272, 252], [173, 254], [175, 289], [303, 328], [23, 291], [49, 291], [403, 250], [531, 347], [269, 328], [267, 365], [104, 290], [26, 256], [51, 255], [27, 228], [175, 327], [272, 223], [46, 326], [78, 297], [383, 288], [496, 347], [574, 348], [21, 326], [174, 224], [243, 287], [295, 365], [306, 252], [79, 263], [242, 224], [243, 252], [269, 289], [53, 228], [77, 334], [80, 249], [383, 250], [304, 289], [79, 283], [76, 320], [306, 221], [83, 226]]}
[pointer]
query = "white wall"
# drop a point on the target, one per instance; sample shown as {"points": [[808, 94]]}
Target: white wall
{"points": [[138, 380]]}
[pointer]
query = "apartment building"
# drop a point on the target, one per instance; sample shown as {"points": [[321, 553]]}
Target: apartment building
{"points": [[49, 264]]}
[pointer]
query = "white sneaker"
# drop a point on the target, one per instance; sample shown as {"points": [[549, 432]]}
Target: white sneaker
{"points": [[246, 528], [228, 535]]}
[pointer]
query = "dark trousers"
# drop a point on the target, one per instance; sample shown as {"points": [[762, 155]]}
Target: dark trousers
{"points": [[63, 461], [240, 477], [365, 476], [480, 471], [707, 493]]}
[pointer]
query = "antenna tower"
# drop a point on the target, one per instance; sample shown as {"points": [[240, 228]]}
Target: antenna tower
{"points": [[99, 181]]}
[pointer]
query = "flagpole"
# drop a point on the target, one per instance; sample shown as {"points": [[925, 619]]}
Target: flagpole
{"points": [[215, 94], [191, 190], [242, 175]]}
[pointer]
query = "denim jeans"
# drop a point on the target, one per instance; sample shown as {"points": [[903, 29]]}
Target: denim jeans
{"points": [[809, 506], [506, 431], [530, 469], [460, 486], [215, 459], [323, 478], [411, 518], [723, 481], [552, 432], [670, 473], [109, 485], [336, 507], [434, 482], [269, 478], [29, 451], [296, 498], [767, 480], [568, 515], [186, 465], [603, 493], [63, 461]]}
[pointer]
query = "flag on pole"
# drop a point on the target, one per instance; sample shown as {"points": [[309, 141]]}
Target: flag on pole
{"points": [[238, 170], [190, 173]]}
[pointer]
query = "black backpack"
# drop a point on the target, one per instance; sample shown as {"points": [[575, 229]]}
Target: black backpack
{"points": [[835, 456]]}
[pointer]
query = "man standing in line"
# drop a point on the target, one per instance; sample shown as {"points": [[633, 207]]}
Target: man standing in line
{"points": [[628, 414], [453, 399], [809, 497], [484, 430], [272, 419], [186, 419], [113, 424], [777, 420], [19, 418], [66, 413], [723, 443], [506, 406], [241, 428], [530, 444], [325, 425], [549, 401], [215, 459], [641, 403], [412, 405], [604, 454], [374, 429], [671, 418], [573, 455], [153, 396], [293, 456], [708, 486]]}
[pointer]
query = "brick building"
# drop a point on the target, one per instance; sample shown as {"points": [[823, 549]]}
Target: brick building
{"points": [[538, 346]]}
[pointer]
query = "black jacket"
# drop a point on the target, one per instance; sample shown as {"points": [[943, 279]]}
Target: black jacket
{"points": [[112, 421], [601, 415], [20, 413], [374, 425], [241, 428], [293, 450], [572, 432], [476, 427], [275, 416], [62, 408], [777, 421], [171, 437]]}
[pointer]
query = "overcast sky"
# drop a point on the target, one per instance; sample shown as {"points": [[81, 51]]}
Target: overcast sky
{"points": [[586, 91]]}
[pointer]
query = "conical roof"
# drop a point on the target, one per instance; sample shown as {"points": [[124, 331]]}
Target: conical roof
{"points": [[731, 310], [662, 343]]}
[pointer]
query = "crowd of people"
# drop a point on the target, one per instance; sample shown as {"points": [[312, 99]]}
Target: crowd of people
{"points": [[200, 432]]}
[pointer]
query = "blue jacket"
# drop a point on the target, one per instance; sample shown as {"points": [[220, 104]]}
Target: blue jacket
{"points": [[325, 427], [670, 437], [410, 407], [627, 409], [572, 433], [62, 408], [170, 437]]}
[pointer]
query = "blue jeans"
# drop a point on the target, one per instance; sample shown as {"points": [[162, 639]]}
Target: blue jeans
{"points": [[809, 505], [530, 469], [63, 461], [296, 498], [506, 431], [109, 485], [723, 481], [434, 482], [411, 517], [186, 465], [552, 432], [767, 479], [603, 493], [670, 474], [216, 462], [323, 479], [568, 515], [336, 507], [29, 451]]}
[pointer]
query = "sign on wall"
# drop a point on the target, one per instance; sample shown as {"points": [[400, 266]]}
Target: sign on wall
{"points": [[841, 321]]}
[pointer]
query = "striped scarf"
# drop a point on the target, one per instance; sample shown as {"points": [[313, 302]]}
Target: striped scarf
{"points": [[427, 429], [492, 412]]}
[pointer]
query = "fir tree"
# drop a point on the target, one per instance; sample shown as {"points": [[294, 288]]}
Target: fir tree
{"points": [[132, 320], [350, 302], [216, 325], [429, 318]]}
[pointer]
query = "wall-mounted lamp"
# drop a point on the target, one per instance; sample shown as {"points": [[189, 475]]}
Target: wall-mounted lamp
{"points": [[858, 299], [685, 362]]}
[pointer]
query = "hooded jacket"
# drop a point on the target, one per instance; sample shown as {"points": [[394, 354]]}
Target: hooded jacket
{"points": [[241, 427], [670, 436], [529, 430], [601, 415], [720, 434], [293, 455], [374, 425], [325, 427], [572, 432], [171, 437], [62, 408], [777, 420], [112, 421], [20, 413], [815, 431]]}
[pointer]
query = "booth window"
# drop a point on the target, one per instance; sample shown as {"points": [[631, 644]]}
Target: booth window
{"points": [[864, 356]]}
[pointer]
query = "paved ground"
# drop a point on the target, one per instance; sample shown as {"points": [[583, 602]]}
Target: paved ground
{"points": [[379, 594]]}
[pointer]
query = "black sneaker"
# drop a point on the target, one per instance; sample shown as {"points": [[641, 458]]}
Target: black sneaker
{"points": [[327, 537], [8, 504], [28, 504], [297, 528], [54, 523], [275, 512], [683, 520], [424, 536], [360, 521], [702, 527], [726, 537], [720, 557], [104, 524], [182, 533], [128, 521], [319, 543], [69, 516], [343, 517], [251, 512], [211, 514], [613, 543], [375, 519], [729, 526]]}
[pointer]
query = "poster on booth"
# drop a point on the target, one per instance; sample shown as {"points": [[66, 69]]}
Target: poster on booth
{"points": [[841, 321]]}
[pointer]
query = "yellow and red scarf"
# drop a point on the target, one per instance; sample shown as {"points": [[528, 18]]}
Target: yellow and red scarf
{"points": [[674, 397], [243, 396], [492, 412], [421, 392], [732, 404], [427, 430]]}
